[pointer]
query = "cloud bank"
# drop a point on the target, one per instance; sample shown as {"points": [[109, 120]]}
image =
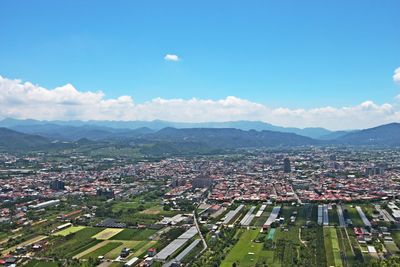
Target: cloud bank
{"points": [[23, 100]]}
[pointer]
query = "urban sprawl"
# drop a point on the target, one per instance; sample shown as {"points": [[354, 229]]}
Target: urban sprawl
{"points": [[310, 206]]}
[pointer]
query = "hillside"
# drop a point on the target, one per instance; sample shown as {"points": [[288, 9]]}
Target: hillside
{"points": [[384, 135], [12, 140]]}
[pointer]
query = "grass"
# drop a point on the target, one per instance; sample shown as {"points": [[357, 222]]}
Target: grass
{"points": [[335, 247], [38, 263], [73, 244], [114, 253], [70, 230], [26, 243], [353, 215], [247, 253], [102, 250], [134, 234], [107, 233], [332, 248], [391, 247], [396, 237], [333, 216]]}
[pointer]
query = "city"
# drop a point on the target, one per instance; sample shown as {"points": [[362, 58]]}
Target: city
{"points": [[251, 208]]}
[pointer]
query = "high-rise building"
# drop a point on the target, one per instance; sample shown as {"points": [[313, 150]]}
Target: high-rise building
{"points": [[286, 165], [57, 185], [202, 182], [105, 192]]}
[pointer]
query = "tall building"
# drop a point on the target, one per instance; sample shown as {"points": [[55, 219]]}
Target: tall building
{"points": [[105, 192], [286, 165], [202, 182], [57, 185]]}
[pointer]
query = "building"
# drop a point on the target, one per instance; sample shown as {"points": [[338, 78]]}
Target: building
{"points": [[202, 182], [286, 165], [105, 192], [57, 185], [45, 204], [151, 252]]}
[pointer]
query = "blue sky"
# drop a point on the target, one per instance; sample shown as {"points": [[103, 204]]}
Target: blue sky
{"points": [[291, 54]]}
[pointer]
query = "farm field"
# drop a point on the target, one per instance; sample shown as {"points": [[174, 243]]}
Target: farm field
{"points": [[134, 234], [332, 247], [69, 230], [73, 244], [102, 250], [333, 216], [107, 233], [352, 214], [248, 253], [138, 247], [26, 243], [37, 263]]}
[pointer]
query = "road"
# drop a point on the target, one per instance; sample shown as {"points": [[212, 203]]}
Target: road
{"points": [[200, 234]]}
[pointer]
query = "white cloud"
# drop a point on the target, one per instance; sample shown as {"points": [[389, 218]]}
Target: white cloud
{"points": [[25, 100], [171, 57], [396, 75]]}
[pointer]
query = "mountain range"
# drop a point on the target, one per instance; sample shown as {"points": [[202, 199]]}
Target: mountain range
{"points": [[30, 135], [40, 127]]}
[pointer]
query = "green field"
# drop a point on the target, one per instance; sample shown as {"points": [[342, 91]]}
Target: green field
{"points": [[69, 246], [138, 248], [37, 263], [107, 233], [102, 250], [70, 230], [354, 216], [248, 253], [333, 216], [134, 234], [332, 248]]}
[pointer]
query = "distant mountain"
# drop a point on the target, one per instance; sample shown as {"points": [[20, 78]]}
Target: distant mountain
{"points": [[12, 140], [231, 138], [335, 135], [74, 133], [384, 135], [25, 125]]}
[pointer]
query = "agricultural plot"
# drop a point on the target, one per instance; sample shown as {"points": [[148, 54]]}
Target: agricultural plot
{"points": [[352, 214], [102, 250], [114, 253], [391, 247], [91, 249], [26, 243], [138, 248], [134, 234], [333, 216], [248, 253], [332, 248], [107, 233], [38, 263], [73, 244], [346, 248], [69, 230], [396, 237]]}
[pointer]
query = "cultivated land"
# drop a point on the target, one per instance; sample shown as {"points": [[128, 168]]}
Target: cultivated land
{"points": [[134, 234], [107, 233], [247, 252], [332, 247], [69, 230], [103, 250]]}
